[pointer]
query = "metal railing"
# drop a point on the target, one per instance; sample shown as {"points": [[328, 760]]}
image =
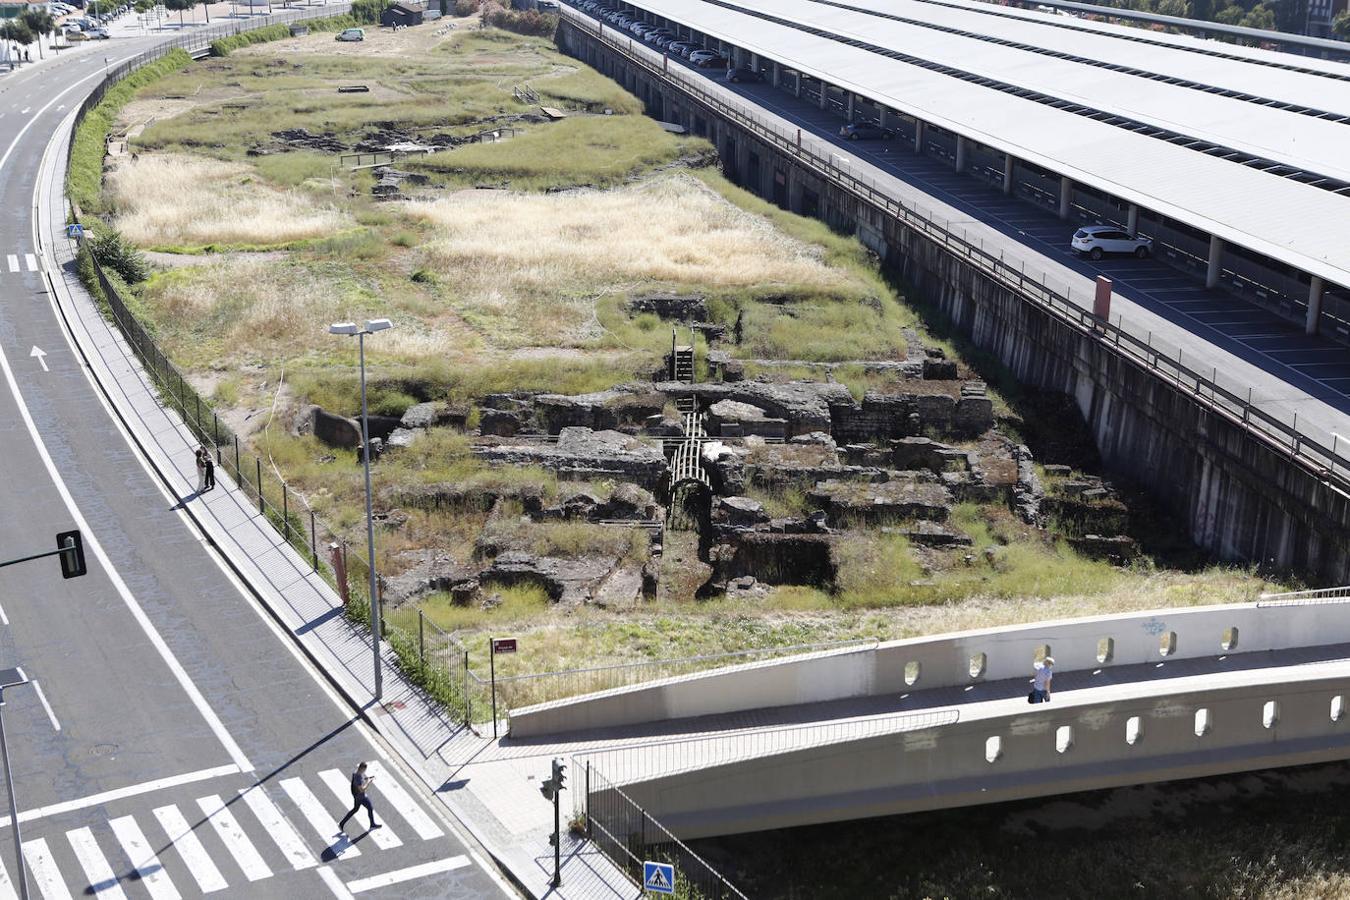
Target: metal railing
{"points": [[629, 836], [1300, 598], [1319, 456]]}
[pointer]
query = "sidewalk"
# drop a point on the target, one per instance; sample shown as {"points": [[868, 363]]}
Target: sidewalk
{"points": [[499, 803]]}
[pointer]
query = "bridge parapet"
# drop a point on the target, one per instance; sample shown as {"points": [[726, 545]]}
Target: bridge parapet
{"points": [[1278, 622]]}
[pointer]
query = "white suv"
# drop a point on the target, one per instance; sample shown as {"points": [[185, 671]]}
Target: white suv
{"points": [[1095, 241]]}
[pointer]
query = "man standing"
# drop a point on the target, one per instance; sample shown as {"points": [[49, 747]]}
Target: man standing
{"points": [[360, 797], [1040, 687], [210, 472], [201, 469]]}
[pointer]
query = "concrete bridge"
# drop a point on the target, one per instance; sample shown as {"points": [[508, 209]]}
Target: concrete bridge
{"points": [[936, 722]]}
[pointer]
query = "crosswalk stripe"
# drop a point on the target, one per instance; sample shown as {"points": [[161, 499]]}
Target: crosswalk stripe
{"points": [[43, 866], [291, 845], [6, 886], [243, 851], [143, 859], [402, 801], [399, 876], [13, 262], [102, 879], [190, 850], [341, 787], [319, 818], [31, 260]]}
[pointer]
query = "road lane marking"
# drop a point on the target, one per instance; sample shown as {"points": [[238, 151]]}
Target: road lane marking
{"points": [[31, 261], [102, 879], [13, 260], [398, 876], [43, 868], [143, 859], [401, 800], [47, 706], [341, 787], [319, 818], [240, 847], [190, 849], [145, 787], [6, 886], [24, 111], [287, 839], [4, 619], [335, 884]]}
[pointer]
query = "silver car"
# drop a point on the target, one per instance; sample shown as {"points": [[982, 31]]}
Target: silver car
{"points": [[1095, 241]]}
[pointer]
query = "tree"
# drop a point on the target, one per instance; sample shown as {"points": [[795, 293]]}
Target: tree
{"points": [[179, 5], [17, 32], [1340, 26], [40, 22], [1260, 17]]}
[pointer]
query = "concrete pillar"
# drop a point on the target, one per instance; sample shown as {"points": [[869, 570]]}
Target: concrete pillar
{"points": [[1315, 288], [852, 98], [961, 151], [797, 83], [882, 114], [824, 95], [1065, 195], [1215, 261], [918, 135], [1008, 161], [777, 75], [1132, 220]]}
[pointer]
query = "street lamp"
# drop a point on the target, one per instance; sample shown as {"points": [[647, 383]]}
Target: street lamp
{"points": [[12, 678], [351, 328]]}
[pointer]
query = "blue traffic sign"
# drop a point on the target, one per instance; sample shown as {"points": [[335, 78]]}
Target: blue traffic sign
{"points": [[75, 230], [658, 878]]}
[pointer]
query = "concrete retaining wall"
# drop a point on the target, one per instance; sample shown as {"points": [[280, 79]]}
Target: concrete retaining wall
{"points": [[951, 765], [969, 657], [1240, 497]]}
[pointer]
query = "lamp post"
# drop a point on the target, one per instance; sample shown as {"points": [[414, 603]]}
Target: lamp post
{"points": [[351, 328], [12, 678]]}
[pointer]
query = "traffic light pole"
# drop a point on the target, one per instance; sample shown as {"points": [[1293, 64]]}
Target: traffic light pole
{"points": [[557, 843]]}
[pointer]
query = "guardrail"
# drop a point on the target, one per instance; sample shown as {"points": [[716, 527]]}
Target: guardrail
{"points": [[1321, 458]]}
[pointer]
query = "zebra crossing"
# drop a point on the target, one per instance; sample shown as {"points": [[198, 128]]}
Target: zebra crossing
{"points": [[21, 262], [222, 842]]}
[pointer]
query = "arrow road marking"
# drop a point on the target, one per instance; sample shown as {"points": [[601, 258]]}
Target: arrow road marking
{"points": [[41, 357], [24, 111]]}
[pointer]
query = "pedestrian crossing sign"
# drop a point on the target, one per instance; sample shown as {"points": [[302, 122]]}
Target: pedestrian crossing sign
{"points": [[658, 878]]}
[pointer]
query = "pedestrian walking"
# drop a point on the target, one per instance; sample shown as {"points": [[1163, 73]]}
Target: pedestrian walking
{"points": [[360, 797], [201, 469], [1040, 682], [210, 469]]}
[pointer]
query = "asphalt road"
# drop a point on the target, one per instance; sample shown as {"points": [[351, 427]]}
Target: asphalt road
{"points": [[161, 690]]}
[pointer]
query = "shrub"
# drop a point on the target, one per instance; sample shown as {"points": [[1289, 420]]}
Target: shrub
{"points": [[367, 12], [223, 46], [523, 22], [466, 7], [114, 253]]}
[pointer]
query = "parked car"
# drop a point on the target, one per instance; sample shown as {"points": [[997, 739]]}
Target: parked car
{"points": [[641, 28], [97, 34], [73, 33], [866, 131], [707, 59], [351, 34], [1095, 241], [682, 48], [744, 73]]}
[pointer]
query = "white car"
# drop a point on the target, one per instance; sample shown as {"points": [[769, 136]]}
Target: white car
{"points": [[352, 34], [1095, 241]]}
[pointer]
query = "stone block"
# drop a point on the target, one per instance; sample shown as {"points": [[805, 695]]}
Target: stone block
{"points": [[500, 422], [335, 430]]}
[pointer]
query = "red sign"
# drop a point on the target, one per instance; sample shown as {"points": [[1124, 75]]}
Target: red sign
{"points": [[503, 645], [1101, 303]]}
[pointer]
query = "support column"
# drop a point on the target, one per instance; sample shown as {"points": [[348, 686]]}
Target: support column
{"points": [[1132, 220], [824, 95], [1215, 261], [1315, 289], [777, 75], [851, 98], [918, 135], [1065, 195], [1008, 162], [797, 83], [882, 114], [961, 145]]}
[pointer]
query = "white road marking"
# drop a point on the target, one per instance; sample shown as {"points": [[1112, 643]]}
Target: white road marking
{"points": [[143, 859], [288, 841], [13, 260], [400, 875], [335, 884], [190, 849], [240, 847], [31, 261], [102, 879], [6, 886], [133, 790], [394, 793], [43, 869], [4, 619], [47, 706], [320, 819], [41, 356], [24, 111], [341, 787]]}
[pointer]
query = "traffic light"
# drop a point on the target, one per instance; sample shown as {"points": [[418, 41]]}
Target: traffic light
{"points": [[559, 775], [72, 554]]}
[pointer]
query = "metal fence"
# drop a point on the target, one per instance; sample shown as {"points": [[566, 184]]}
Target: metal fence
{"points": [[1314, 450], [1306, 598], [629, 836]]}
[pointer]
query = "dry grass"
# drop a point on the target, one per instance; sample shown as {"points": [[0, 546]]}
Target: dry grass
{"points": [[531, 264], [176, 200]]}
